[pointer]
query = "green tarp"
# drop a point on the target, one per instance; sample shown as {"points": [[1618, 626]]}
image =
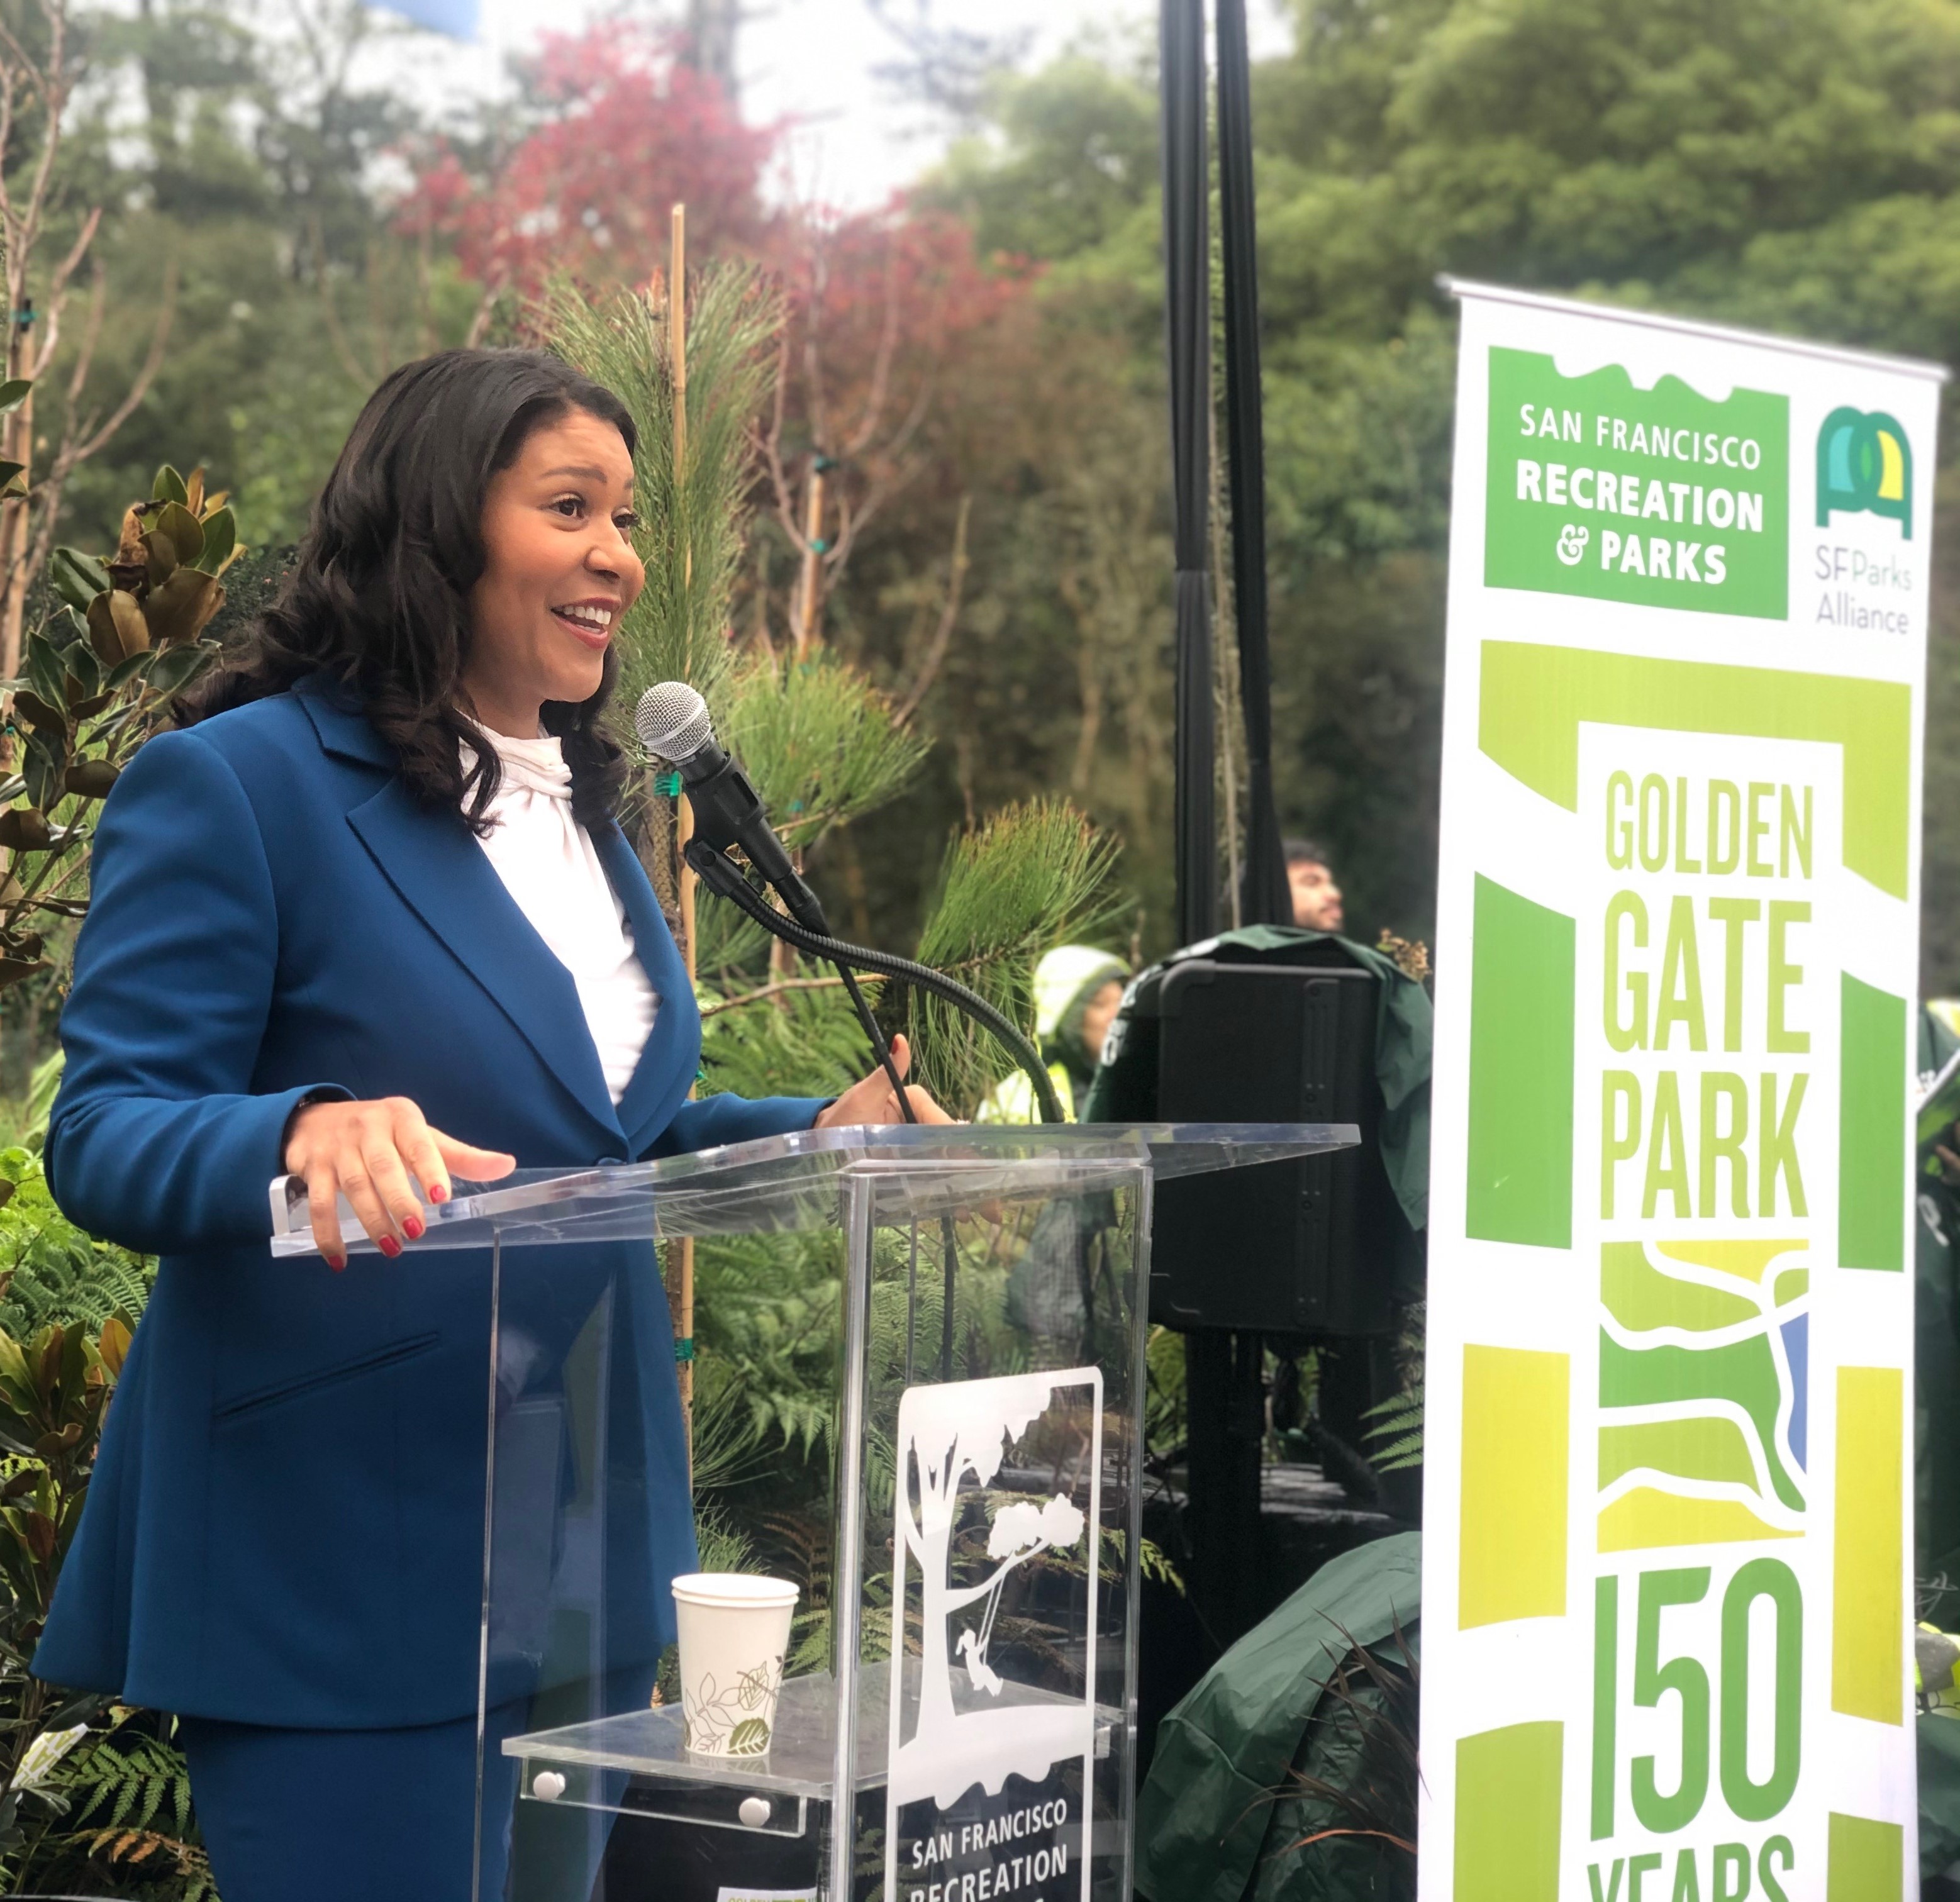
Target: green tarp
{"points": [[1220, 1814]]}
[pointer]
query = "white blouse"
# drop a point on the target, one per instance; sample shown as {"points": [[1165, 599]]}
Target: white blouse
{"points": [[547, 863]]}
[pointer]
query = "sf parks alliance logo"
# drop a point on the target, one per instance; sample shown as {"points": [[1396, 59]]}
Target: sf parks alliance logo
{"points": [[1864, 466]]}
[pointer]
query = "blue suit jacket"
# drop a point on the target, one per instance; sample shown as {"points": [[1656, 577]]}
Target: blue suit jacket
{"points": [[285, 1525]]}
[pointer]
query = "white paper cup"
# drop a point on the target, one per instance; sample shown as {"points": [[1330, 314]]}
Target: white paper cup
{"points": [[734, 1629]]}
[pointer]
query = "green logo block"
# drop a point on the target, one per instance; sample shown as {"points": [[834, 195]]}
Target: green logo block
{"points": [[1703, 1358], [1864, 466], [1661, 497]]}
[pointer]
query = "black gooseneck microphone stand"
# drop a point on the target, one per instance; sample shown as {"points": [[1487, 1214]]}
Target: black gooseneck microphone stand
{"points": [[721, 874]]}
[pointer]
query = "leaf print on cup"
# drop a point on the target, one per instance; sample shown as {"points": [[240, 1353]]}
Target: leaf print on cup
{"points": [[750, 1737], [715, 1720]]}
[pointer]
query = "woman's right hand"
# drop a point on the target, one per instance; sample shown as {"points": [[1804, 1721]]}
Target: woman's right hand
{"points": [[367, 1152]]}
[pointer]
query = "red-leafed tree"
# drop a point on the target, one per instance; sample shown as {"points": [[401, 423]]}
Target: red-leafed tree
{"points": [[621, 131], [884, 308]]}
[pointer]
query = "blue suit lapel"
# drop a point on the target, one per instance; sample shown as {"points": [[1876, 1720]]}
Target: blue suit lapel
{"points": [[440, 871], [667, 1065]]}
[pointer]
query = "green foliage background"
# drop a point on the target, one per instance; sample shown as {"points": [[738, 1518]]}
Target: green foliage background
{"points": [[1793, 164], [1789, 164]]}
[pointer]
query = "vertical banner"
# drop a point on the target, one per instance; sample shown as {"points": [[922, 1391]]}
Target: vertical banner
{"points": [[1667, 1576]]}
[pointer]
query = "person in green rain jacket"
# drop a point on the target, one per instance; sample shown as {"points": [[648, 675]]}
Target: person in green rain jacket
{"points": [[1077, 989]]}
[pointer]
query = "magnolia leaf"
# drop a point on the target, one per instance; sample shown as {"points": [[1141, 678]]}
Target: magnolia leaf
{"points": [[178, 609], [85, 671], [113, 1345], [91, 778], [125, 671], [185, 530], [194, 491], [15, 970], [88, 709], [160, 558], [13, 392], [169, 486], [32, 709], [24, 829], [173, 672], [47, 672], [78, 578], [116, 628], [221, 541], [129, 543], [44, 761], [12, 480]]}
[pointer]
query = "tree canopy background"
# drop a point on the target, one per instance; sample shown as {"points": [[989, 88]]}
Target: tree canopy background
{"points": [[982, 361]]}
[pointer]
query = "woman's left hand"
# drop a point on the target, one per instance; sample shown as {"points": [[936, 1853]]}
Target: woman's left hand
{"points": [[874, 1100]]}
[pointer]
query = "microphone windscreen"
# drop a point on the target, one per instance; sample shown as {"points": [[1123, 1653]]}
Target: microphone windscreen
{"points": [[672, 721]]}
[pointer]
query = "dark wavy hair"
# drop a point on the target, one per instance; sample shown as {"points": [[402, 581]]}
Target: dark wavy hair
{"points": [[378, 603]]}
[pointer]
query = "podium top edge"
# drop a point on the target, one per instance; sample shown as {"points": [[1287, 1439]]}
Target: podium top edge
{"points": [[713, 1183]]}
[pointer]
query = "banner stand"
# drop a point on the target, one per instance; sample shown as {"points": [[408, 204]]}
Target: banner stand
{"points": [[1668, 1590]]}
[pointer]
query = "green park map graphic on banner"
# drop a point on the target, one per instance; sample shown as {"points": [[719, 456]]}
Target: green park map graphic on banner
{"points": [[1668, 1657], [1658, 497]]}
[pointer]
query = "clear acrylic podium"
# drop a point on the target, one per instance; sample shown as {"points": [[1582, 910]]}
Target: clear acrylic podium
{"points": [[955, 1721]]}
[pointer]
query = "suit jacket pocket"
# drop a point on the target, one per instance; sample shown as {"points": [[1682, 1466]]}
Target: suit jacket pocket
{"points": [[250, 1405]]}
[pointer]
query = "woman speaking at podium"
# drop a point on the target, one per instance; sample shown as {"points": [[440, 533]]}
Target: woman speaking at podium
{"points": [[369, 920]]}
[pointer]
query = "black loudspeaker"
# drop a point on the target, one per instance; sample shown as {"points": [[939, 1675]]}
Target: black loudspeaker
{"points": [[1317, 1247]]}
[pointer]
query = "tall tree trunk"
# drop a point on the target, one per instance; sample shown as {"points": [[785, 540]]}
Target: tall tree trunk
{"points": [[709, 41], [17, 445]]}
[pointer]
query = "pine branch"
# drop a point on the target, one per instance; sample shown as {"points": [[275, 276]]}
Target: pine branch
{"points": [[1026, 879]]}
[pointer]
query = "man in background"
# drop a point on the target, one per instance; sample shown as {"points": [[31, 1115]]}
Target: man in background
{"points": [[1316, 898]]}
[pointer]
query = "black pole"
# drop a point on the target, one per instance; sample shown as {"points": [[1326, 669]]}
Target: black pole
{"points": [[1225, 1405], [1264, 897], [1224, 1400], [1188, 336]]}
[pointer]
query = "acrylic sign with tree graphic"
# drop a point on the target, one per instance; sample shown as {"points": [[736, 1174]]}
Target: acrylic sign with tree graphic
{"points": [[958, 1723]]}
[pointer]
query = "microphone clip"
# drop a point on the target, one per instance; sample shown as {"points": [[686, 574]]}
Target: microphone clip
{"points": [[716, 870]]}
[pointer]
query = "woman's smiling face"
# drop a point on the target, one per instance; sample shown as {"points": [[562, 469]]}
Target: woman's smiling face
{"points": [[560, 573]]}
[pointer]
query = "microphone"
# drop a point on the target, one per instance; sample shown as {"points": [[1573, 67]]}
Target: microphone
{"points": [[672, 721]]}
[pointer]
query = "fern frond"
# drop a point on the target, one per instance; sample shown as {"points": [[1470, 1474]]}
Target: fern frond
{"points": [[53, 1273], [1399, 1422]]}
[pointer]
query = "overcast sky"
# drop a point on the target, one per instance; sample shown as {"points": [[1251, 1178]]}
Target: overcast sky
{"points": [[815, 61]]}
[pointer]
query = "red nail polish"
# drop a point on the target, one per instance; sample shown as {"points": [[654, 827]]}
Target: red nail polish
{"points": [[438, 1193], [413, 1228], [389, 1246], [337, 1263]]}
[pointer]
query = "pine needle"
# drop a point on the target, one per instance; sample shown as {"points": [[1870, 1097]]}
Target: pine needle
{"points": [[1027, 879], [822, 744]]}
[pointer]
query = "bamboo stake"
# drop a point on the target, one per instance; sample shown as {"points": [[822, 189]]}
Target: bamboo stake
{"points": [[685, 881], [813, 553], [677, 352]]}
